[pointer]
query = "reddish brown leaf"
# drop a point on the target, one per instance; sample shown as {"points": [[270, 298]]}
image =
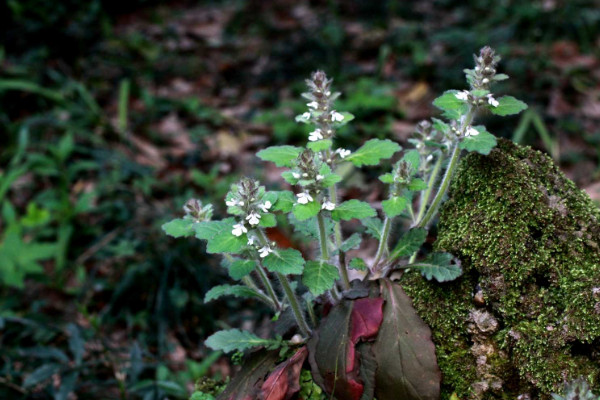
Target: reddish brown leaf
{"points": [[284, 381], [366, 318]]}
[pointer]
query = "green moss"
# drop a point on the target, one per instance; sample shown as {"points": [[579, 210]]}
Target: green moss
{"points": [[530, 239]]}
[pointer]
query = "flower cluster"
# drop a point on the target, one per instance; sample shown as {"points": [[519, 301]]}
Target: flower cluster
{"points": [[194, 210], [246, 200]]}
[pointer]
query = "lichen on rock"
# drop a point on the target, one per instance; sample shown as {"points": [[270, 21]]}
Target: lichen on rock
{"points": [[525, 316]]}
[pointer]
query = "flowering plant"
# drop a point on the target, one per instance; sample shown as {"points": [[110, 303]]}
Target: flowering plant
{"points": [[358, 333]]}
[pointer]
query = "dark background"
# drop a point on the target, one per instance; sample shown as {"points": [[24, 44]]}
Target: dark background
{"points": [[112, 114]]}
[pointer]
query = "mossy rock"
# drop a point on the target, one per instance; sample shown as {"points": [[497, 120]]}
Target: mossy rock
{"points": [[525, 316]]}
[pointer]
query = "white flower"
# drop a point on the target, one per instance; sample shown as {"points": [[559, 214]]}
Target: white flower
{"points": [[231, 203], [241, 203], [304, 198], [328, 93], [296, 175], [471, 132], [265, 207], [239, 229], [336, 116], [327, 205], [343, 152], [319, 177], [250, 241], [464, 95], [315, 135], [253, 218], [264, 251], [313, 104], [492, 101], [306, 115]]}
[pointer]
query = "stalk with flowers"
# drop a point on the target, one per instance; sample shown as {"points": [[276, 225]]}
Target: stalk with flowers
{"points": [[357, 335]]}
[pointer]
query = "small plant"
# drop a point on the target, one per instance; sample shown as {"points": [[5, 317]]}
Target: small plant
{"points": [[357, 335]]}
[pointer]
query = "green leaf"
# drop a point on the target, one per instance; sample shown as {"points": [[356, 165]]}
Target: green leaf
{"points": [[285, 261], [179, 228], [229, 290], [374, 227], [358, 263], [417, 184], [285, 201], [319, 277], [452, 106], [482, 143], [288, 176], [240, 268], [352, 209], [309, 227], [319, 145], [208, 229], [347, 118], [413, 158], [410, 242], [330, 180], [394, 206], [40, 375], [404, 350], [507, 105], [282, 156], [236, 340], [373, 151], [353, 242], [387, 178], [305, 211], [500, 77], [439, 266], [219, 236], [267, 220]]}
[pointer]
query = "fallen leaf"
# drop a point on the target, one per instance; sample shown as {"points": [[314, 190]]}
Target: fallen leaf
{"points": [[284, 381]]}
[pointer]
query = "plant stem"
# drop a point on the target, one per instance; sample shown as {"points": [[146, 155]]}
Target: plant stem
{"points": [[247, 280], [425, 196], [454, 157], [383, 245], [268, 286], [289, 292], [325, 250]]}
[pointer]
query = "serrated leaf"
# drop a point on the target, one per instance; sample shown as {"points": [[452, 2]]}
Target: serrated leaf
{"points": [[179, 228], [413, 158], [410, 242], [374, 227], [309, 227], [330, 180], [449, 103], [439, 266], [358, 264], [417, 184], [373, 151], [229, 290], [267, 220], [394, 206], [319, 277], [303, 212], [235, 340], [282, 156], [404, 351], [319, 145], [353, 242], [482, 143], [219, 236], [208, 229], [508, 105], [285, 261], [352, 209], [240, 268], [387, 178], [347, 118], [285, 201]]}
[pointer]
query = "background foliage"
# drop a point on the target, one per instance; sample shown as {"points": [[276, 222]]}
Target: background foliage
{"points": [[112, 114]]}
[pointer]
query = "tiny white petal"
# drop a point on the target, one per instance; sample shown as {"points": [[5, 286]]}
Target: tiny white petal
{"points": [[343, 152], [250, 241], [319, 177], [471, 132], [264, 251], [231, 203], [306, 115], [239, 229], [464, 95], [265, 207], [315, 135], [327, 205], [313, 104], [492, 101], [296, 175], [328, 93], [304, 198], [336, 116]]}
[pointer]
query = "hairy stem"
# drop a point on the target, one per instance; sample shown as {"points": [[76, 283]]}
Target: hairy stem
{"points": [[291, 296], [383, 242], [427, 195], [268, 286]]}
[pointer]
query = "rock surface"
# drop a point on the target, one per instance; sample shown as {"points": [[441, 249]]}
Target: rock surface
{"points": [[525, 316]]}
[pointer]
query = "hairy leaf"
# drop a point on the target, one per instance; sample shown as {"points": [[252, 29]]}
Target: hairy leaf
{"points": [[357, 263], [319, 277], [285, 261], [240, 268], [285, 201], [405, 354], [234, 339], [229, 290], [373, 151], [374, 227], [410, 242], [439, 266], [305, 211], [508, 105], [282, 156], [179, 227], [394, 206], [352, 209], [353, 242], [452, 106], [319, 145], [482, 143]]}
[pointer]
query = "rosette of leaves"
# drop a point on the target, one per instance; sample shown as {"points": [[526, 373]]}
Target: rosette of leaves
{"points": [[363, 339]]}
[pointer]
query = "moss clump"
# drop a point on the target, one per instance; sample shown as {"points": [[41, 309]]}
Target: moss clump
{"points": [[529, 241]]}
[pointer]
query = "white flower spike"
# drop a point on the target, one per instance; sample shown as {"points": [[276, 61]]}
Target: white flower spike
{"points": [[464, 95], [304, 198], [253, 218], [231, 203], [492, 101], [265, 207], [239, 230], [313, 104], [471, 132], [264, 251], [336, 116], [315, 135]]}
